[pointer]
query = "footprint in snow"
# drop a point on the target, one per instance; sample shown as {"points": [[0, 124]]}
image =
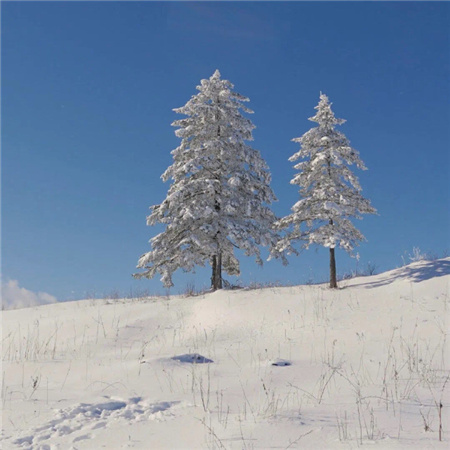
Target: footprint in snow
{"points": [[82, 437], [81, 417], [99, 425]]}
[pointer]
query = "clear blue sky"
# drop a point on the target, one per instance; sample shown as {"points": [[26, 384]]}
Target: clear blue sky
{"points": [[88, 90]]}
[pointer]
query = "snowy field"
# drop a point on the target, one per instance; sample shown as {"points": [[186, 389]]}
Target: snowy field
{"points": [[289, 367]]}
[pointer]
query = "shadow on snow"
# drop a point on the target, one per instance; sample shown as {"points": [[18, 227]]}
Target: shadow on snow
{"points": [[425, 270]]}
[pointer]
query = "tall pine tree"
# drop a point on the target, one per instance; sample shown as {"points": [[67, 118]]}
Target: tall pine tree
{"points": [[330, 192], [219, 196]]}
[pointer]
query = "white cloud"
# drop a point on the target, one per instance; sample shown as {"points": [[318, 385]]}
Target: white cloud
{"points": [[14, 296]]}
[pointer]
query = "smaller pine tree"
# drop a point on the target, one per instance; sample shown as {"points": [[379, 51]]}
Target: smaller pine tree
{"points": [[330, 192]]}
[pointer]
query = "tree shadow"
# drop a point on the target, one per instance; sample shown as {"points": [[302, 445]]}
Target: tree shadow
{"points": [[416, 272]]}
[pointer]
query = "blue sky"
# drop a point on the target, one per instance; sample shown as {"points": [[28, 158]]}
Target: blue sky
{"points": [[88, 90]]}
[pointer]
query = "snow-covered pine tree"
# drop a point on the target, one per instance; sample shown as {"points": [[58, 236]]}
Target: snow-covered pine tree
{"points": [[219, 196], [330, 192]]}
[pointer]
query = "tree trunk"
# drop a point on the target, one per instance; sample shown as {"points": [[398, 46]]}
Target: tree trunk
{"points": [[214, 270], [333, 282], [216, 277], [219, 272], [216, 263]]}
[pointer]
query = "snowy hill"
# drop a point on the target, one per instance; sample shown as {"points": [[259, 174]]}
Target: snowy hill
{"points": [[291, 367]]}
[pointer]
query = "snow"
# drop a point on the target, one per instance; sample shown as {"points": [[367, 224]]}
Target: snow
{"points": [[287, 367]]}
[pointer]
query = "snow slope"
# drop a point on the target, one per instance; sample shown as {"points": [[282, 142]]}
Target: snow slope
{"points": [[365, 364]]}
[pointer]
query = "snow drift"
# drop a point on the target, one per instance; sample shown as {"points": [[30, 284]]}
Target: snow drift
{"points": [[366, 363]]}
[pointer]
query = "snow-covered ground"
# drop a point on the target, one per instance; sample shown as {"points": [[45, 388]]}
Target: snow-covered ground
{"points": [[365, 364]]}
